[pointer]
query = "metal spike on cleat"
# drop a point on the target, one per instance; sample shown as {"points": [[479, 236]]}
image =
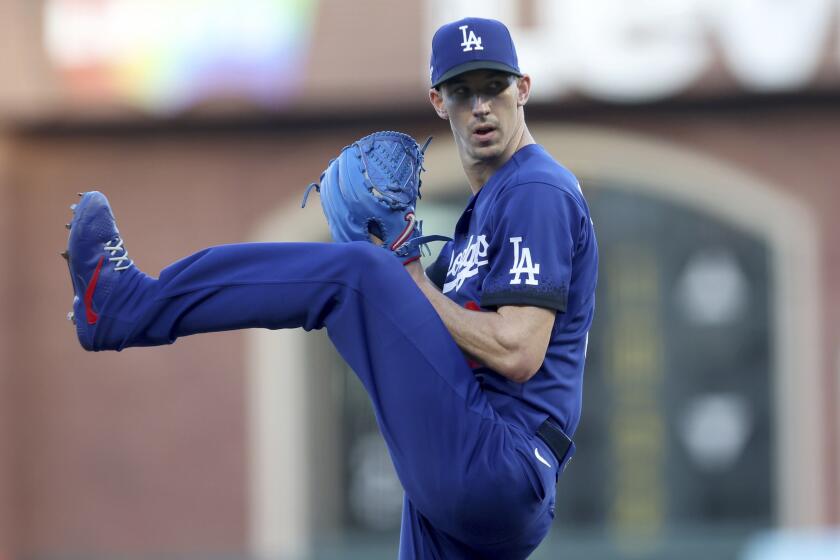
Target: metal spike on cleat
{"points": [[68, 226], [73, 207], [65, 255], [71, 317], [80, 194]]}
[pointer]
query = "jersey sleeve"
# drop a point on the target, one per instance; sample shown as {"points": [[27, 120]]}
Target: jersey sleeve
{"points": [[537, 228]]}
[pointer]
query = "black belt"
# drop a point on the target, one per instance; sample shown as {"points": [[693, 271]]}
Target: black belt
{"points": [[557, 440]]}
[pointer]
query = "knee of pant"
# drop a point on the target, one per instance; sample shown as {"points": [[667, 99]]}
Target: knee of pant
{"points": [[494, 511], [368, 260]]}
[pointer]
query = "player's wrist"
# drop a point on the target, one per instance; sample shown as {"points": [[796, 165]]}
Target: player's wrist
{"points": [[415, 269]]}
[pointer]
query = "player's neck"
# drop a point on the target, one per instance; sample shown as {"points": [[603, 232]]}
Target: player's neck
{"points": [[479, 171]]}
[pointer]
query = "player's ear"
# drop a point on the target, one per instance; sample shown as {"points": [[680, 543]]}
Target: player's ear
{"points": [[523, 86], [436, 97]]}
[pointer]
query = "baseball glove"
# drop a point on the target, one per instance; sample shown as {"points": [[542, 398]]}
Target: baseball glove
{"points": [[372, 188]]}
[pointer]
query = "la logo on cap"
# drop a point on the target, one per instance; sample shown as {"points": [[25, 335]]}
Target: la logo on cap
{"points": [[470, 41]]}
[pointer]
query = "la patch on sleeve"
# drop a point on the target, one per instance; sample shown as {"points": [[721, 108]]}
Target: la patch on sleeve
{"points": [[523, 264]]}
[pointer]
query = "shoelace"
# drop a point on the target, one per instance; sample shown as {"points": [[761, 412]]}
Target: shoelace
{"points": [[120, 260]]}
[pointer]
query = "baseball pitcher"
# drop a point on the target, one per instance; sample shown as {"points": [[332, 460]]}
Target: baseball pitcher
{"points": [[474, 367]]}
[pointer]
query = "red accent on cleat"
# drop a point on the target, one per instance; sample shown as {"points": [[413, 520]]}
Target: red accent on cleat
{"points": [[92, 316]]}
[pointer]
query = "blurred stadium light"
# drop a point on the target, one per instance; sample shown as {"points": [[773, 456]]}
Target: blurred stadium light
{"points": [[166, 56], [793, 545]]}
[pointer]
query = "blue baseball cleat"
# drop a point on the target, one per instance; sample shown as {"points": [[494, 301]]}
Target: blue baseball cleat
{"points": [[97, 260]]}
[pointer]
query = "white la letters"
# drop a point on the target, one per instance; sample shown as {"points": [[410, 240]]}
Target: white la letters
{"points": [[470, 42], [522, 264]]}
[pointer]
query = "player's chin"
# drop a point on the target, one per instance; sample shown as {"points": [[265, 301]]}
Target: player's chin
{"points": [[487, 150]]}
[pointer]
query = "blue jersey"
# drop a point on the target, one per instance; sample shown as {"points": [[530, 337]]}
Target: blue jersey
{"points": [[526, 238]]}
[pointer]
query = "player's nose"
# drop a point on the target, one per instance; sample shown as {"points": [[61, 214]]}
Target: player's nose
{"points": [[480, 105]]}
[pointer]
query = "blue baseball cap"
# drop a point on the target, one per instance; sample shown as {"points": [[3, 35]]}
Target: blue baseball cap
{"points": [[471, 44]]}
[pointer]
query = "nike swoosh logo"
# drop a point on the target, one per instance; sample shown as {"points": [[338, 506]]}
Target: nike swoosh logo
{"points": [[92, 316], [540, 458]]}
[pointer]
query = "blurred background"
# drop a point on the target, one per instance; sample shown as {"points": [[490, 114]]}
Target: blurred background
{"points": [[706, 134]]}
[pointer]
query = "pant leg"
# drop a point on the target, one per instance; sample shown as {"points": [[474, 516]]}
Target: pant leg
{"points": [[421, 540], [455, 457]]}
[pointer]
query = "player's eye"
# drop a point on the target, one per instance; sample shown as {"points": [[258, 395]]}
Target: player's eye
{"points": [[496, 86], [460, 92]]}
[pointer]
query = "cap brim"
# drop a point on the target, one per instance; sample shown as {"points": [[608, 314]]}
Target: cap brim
{"points": [[476, 65]]}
